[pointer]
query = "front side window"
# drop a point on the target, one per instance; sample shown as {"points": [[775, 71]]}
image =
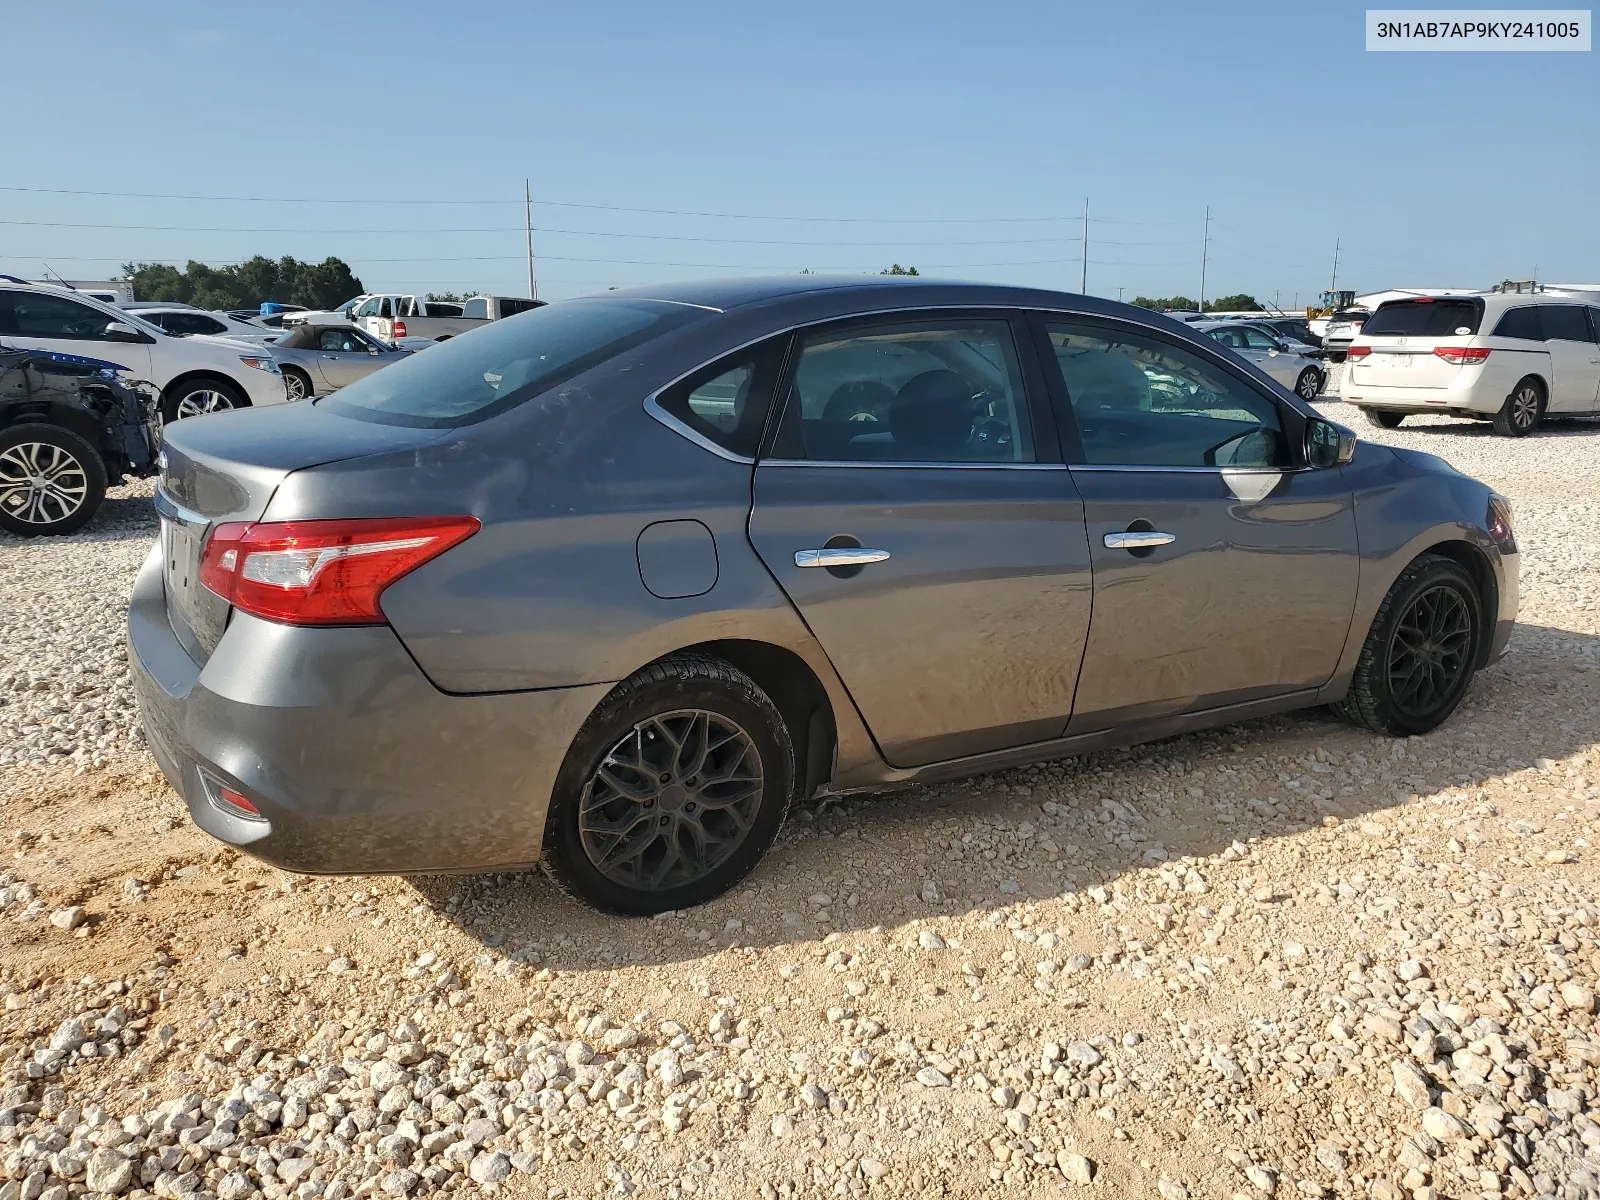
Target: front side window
{"points": [[1255, 339], [1140, 401], [1522, 323], [341, 341], [924, 391], [38, 315], [369, 309], [1564, 323], [1232, 338], [504, 363]]}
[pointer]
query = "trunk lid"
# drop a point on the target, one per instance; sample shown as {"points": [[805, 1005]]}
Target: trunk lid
{"points": [[1407, 362], [226, 467]]}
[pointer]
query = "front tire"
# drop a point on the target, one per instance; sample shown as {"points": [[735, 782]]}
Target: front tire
{"points": [[51, 480], [1309, 386], [197, 397], [1421, 653], [673, 790], [1384, 419], [1522, 410]]}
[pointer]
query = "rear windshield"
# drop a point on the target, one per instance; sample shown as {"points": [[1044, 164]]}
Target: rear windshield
{"points": [[499, 365], [1425, 318]]}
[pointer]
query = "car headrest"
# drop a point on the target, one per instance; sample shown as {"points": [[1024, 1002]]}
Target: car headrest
{"points": [[931, 417]]}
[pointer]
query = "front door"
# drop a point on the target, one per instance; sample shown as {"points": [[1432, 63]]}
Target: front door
{"points": [[912, 512], [343, 356], [1574, 358], [1224, 571]]}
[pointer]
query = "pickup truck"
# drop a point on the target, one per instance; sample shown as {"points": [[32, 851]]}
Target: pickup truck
{"points": [[391, 316]]}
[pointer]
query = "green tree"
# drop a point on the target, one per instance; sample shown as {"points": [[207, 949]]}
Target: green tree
{"points": [[1180, 303], [897, 269], [246, 285], [445, 297], [1239, 302]]}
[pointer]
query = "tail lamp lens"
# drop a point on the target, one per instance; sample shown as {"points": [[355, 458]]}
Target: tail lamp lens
{"points": [[1462, 356], [400, 329], [1358, 352], [322, 572]]}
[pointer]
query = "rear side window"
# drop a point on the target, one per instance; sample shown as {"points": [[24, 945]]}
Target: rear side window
{"points": [[40, 315], [1564, 323], [726, 403], [477, 308], [500, 365], [1520, 323], [1425, 318]]}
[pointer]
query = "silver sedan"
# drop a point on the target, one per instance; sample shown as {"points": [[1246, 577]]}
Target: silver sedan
{"points": [[318, 359], [1292, 364]]}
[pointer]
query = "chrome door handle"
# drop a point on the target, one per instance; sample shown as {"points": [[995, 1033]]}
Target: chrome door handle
{"points": [[840, 556], [1138, 539]]}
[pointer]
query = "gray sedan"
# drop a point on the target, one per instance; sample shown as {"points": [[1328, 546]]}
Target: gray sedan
{"points": [[615, 583], [318, 359], [1295, 365]]}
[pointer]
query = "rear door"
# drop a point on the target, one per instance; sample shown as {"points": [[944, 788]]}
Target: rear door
{"points": [[1574, 358], [1224, 571], [914, 509]]}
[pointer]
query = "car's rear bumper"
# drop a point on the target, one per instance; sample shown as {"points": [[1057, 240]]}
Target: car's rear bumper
{"points": [[356, 762]]}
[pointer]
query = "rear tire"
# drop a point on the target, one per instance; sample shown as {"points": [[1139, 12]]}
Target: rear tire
{"points": [[1421, 652], [1522, 410], [1384, 419], [51, 480], [297, 384], [673, 790], [197, 397], [1309, 386]]}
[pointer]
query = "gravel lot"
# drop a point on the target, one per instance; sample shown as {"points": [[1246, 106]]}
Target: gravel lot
{"points": [[1283, 958]]}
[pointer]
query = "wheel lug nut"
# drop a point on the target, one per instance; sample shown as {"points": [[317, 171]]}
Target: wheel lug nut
{"points": [[664, 820], [666, 776], [689, 807]]}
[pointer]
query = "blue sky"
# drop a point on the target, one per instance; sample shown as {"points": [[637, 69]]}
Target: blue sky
{"points": [[943, 131]]}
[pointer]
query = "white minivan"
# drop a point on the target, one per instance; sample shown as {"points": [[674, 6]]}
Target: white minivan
{"points": [[1506, 357], [195, 374]]}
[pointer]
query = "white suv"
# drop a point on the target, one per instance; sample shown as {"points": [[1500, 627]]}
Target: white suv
{"points": [[196, 374], [1500, 356]]}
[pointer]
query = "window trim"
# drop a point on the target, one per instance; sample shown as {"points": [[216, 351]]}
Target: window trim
{"points": [[1293, 418], [1043, 431]]}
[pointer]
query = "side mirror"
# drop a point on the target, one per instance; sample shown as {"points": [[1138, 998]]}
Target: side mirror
{"points": [[1327, 444], [119, 331]]}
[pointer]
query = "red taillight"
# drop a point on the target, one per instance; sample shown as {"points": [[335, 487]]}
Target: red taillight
{"points": [[1462, 356], [322, 572], [399, 329], [1358, 351]]}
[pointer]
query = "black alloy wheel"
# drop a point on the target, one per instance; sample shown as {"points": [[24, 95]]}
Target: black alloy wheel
{"points": [[671, 801], [1309, 386], [1421, 652], [672, 791], [1429, 651]]}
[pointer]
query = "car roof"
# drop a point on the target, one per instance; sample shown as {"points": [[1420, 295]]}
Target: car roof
{"points": [[862, 291]]}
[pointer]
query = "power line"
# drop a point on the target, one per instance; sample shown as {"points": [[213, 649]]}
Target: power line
{"points": [[667, 212], [662, 237], [628, 262]]}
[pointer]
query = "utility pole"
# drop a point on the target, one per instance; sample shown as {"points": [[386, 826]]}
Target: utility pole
{"points": [[1333, 284], [527, 208], [1205, 248], [1119, 295], [1083, 279]]}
